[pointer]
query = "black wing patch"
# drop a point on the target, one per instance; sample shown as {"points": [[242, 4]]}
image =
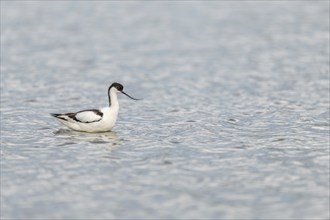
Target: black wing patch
{"points": [[85, 116]]}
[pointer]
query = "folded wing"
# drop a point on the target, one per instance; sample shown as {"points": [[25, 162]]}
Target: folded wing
{"points": [[86, 116]]}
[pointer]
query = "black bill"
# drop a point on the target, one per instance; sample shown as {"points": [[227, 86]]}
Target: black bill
{"points": [[129, 95]]}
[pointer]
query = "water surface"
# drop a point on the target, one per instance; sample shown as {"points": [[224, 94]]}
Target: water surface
{"points": [[234, 121]]}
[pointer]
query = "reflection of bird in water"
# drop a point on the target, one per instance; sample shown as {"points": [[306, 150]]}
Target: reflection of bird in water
{"points": [[95, 120], [110, 139]]}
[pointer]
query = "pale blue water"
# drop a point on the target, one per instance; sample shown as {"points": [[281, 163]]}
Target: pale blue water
{"points": [[234, 121]]}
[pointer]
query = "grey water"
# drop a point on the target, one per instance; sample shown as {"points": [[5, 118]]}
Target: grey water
{"points": [[234, 121]]}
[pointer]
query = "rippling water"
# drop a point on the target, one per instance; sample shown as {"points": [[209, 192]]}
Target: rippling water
{"points": [[234, 121]]}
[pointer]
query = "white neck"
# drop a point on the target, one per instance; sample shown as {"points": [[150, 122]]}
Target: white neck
{"points": [[113, 99]]}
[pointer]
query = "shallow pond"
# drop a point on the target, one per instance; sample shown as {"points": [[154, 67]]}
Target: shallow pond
{"points": [[234, 121]]}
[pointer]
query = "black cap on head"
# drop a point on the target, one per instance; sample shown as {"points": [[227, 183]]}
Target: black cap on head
{"points": [[118, 86]]}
